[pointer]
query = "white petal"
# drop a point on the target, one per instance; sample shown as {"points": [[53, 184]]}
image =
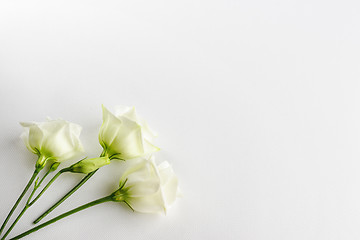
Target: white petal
{"points": [[150, 188], [75, 131], [150, 148], [124, 111], [109, 128], [144, 181], [147, 132], [128, 141], [120, 135], [124, 135], [55, 139], [150, 204], [58, 143], [25, 137], [36, 137], [170, 190], [169, 183]]}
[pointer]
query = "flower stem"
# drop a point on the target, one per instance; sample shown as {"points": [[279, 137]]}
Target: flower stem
{"points": [[75, 210], [36, 172], [47, 186], [16, 220], [74, 189], [28, 203], [37, 185]]}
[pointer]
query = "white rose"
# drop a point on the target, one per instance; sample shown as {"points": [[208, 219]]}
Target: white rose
{"points": [[55, 140], [148, 188], [124, 135]]}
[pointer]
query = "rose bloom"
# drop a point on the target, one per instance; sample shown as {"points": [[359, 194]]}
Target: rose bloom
{"points": [[56, 140], [124, 135], [147, 187]]}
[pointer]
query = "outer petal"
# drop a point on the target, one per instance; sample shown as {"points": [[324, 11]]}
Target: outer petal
{"points": [[109, 128], [149, 204], [75, 131], [142, 180], [121, 136], [124, 135], [128, 142], [56, 139], [121, 110], [25, 137], [36, 137], [58, 144], [169, 183], [149, 188], [130, 113], [149, 147]]}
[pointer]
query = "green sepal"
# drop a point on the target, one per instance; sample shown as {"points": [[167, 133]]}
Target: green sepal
{"points": [[121, 194]]}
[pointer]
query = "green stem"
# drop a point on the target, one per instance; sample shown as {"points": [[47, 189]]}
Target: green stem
{"points": [[28, 203], [16, 220], [36, 172], [75, 210], [48, 185], [37, 185], [74, 189]]}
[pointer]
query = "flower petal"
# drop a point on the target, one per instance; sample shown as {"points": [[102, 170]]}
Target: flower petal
{"points": [[57, 140], [149, 188], [125, 136]]}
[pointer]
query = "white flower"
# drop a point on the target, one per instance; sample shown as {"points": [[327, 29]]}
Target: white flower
{"points": [[148, 188], [55, 140], [124, 135]]}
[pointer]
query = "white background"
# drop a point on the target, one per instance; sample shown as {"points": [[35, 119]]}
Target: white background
{"points": [[256, 103]]}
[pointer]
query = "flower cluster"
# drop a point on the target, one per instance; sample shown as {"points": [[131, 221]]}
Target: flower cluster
{"points": [[145, 186]]}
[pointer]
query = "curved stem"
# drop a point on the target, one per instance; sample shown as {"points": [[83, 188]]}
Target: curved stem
{"points": [[36, 172], [74, 189], [75, 210]]}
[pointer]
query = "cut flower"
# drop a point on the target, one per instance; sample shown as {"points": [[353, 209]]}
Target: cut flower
{"points": [[125, 136], [147, 187], [55, 140]]}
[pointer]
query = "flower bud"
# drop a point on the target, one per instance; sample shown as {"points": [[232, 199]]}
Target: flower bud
{"points": [[89, 165], [41, 162]]}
